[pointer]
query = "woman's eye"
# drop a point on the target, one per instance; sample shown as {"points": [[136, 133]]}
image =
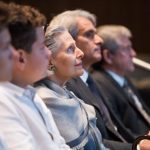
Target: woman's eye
{"points": [[70, 49]]}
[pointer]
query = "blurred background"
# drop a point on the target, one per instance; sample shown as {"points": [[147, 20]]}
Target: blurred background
{"points": [[134, 14]]}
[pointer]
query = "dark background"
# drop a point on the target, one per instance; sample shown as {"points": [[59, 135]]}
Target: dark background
{"points": [[135, 14]]}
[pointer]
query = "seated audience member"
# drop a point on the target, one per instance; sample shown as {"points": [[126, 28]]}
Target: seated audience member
{"points": [[69, 111], [81, 25], [111, 74], [25, 121], [5, 54]]}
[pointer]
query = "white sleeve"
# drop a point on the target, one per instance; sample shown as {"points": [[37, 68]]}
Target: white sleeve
{"points": [[16, 135], [3, 145]]}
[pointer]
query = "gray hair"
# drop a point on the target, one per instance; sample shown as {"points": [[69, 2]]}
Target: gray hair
{"points": [[51, 38], [68, 19], [110, 35]]}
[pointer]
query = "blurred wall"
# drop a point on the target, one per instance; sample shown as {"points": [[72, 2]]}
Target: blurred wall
{"points": [[135, 14]]}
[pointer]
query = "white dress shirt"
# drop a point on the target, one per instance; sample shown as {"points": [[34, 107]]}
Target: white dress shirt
{"points": [[26, 122], [119, 79], [84, 77]]}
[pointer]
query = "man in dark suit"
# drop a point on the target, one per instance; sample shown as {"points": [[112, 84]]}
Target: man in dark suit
{"points": [[81, 25], [122, 97]]}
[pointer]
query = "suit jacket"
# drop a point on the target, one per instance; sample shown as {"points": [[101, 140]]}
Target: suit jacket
{"points": [[120, 105], [78, 87]]}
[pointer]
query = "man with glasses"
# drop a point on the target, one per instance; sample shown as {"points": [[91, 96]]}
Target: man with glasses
{"points": [[111, 74]]}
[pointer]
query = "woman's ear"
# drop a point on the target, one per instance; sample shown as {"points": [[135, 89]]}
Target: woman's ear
{"points": [[107, 56], [51, 65], [51, 62]]}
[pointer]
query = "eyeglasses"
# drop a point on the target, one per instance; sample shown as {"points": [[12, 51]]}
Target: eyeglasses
{"points": [[126, 48]]}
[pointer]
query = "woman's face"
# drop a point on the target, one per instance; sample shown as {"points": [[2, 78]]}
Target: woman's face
{"points": [[68, 58]]}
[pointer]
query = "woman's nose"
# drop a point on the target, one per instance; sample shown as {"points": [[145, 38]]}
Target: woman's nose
{"points": [[79, 53]]}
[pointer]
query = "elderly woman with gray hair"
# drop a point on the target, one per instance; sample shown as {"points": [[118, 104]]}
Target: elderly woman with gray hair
{"points": [[75, 119]]}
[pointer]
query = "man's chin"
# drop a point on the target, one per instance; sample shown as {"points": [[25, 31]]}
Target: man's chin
{"points": [[98, 58], [131, 69], [43, 76], [79, 73]]}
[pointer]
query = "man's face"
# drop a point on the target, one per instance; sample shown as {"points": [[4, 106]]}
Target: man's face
{"points": [[5, 56], [122, 60], [88, 41], [37, 60]]}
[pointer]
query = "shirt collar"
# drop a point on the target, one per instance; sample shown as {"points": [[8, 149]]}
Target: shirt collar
{"points": [[119, 79], [28, 92], [84, 76]]}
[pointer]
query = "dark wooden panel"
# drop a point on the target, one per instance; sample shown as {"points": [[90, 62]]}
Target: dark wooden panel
{"points": [[135, 14]]}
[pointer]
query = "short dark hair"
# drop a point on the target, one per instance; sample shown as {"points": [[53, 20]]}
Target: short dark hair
{"points": [[4, 15], [22, 25]]}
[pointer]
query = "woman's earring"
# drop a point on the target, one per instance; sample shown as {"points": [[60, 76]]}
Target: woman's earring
{"points": [[52, 68]]}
